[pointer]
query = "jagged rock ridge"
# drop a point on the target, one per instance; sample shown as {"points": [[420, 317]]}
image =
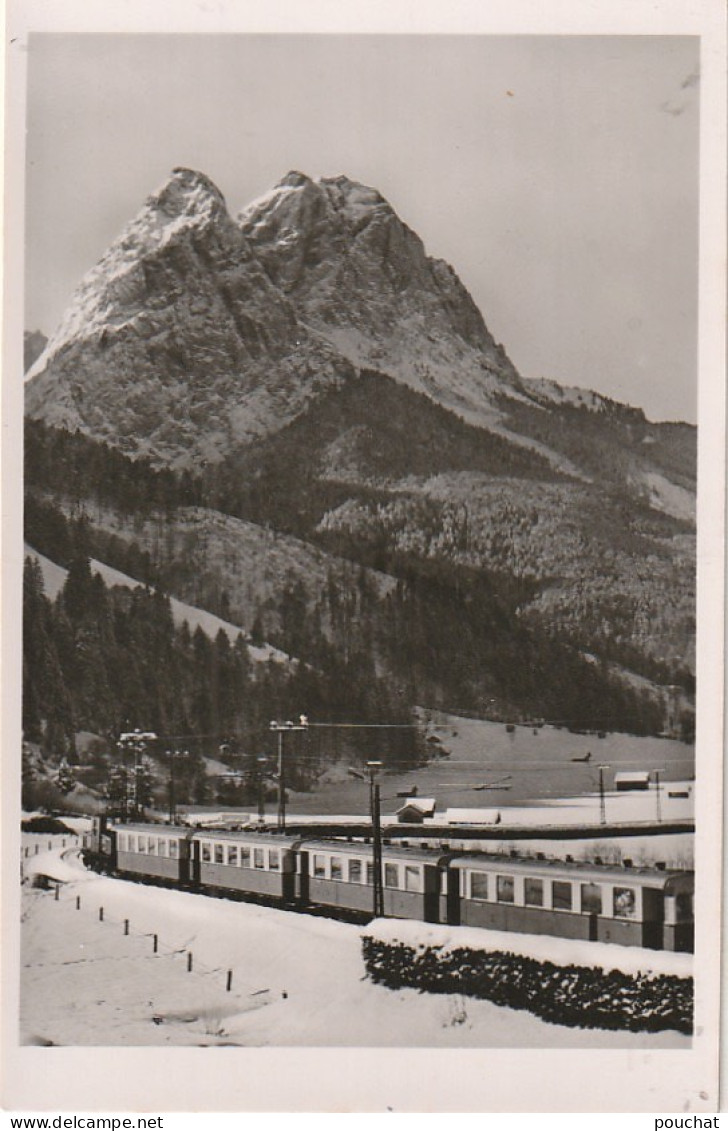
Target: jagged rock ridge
{"points": [[195, 333], [177, 345]]}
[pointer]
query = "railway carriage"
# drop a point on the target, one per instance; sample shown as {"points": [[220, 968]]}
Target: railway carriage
{"points": [[255, 863], [646, 907], [341, 874], [158, 851]]}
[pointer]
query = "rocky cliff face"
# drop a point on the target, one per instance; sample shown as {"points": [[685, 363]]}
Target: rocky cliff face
{"points": [[177, 345], [196, 333], [361, 278]]}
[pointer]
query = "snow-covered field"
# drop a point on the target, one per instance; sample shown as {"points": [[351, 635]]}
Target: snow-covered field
{"points": [[296, 979], [479, 763]]}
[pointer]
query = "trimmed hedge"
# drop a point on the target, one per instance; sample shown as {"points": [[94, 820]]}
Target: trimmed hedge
{"points": [[578, 996], [50, 825]]}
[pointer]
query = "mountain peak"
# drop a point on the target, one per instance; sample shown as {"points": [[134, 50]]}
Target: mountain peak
{"points": [[361, 278], [317, 278], [187, 192], [294, 179]]}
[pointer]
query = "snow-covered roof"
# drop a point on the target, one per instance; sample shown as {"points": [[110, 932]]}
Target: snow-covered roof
{"points": [[360, 848], [425, 805], [143, 827], [247, 836]]}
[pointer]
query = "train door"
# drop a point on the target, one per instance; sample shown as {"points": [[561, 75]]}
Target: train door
{"points": [[432, 894], [653, 918], [194, 862], [593, 927], [303, 877], [452, 877]]}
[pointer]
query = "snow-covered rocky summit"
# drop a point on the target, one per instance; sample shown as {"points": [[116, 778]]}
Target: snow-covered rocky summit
{"points": [[360, 277], [196, 333], [177, 345]]}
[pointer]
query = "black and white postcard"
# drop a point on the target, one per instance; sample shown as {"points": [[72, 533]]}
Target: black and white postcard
{"points": [[363, 557]]}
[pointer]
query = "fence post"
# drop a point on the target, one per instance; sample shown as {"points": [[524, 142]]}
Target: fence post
{"points": [[229, 985], [126, 926], [155, 944], [189, 961], [101, 914], [58, 889], [37, 849], [78, 902]]}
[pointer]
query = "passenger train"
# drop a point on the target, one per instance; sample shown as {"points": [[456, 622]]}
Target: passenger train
{"points": [[632, 906]]}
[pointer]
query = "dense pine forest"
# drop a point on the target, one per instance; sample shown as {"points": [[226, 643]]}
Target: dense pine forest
{"points": [[436, 635]]}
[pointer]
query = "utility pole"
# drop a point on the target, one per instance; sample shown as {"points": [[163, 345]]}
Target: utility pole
{"points": [[173, 754], [602, 798], [658, 800], [172, 814], [262, 760], [374, 805], [280, 729], [138, 741]]}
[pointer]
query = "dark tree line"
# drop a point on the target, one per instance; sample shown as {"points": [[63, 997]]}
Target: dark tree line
{"points": [[444, 636], [111, 660]]}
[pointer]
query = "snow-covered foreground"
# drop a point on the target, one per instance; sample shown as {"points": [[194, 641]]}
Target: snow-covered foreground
{"points": [[296, 979]]}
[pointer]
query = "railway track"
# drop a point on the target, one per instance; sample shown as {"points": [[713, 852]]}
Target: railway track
{"points": [[425, 833]]}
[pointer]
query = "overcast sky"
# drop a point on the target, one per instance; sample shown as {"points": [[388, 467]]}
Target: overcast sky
{"points": [[557, 175]]}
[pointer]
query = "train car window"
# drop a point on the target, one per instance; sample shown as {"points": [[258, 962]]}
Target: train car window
{"points": [[412, 878], [591, 899], [391, 876], [142, 844], [152, 846], [232, 855], [355, 871], [533, 892], [205, 852], [684, 907], [219, 854], [370, 872], [122, 842], [132, 843], [319, 866], [624, 903], [274, 860], [173, 849], [258, 858], [162, 847], [244, 856], [479, 885], [561, 898], [505, 889], [337, 871]]}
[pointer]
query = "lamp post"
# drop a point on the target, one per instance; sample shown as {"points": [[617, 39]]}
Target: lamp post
{"points": [[135, 740], [172, 755], [602, 798], [374, 806], [280, 729], [262, 763]]}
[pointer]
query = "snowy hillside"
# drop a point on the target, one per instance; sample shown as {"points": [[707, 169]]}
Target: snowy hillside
{"points": [[54, 577]]}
